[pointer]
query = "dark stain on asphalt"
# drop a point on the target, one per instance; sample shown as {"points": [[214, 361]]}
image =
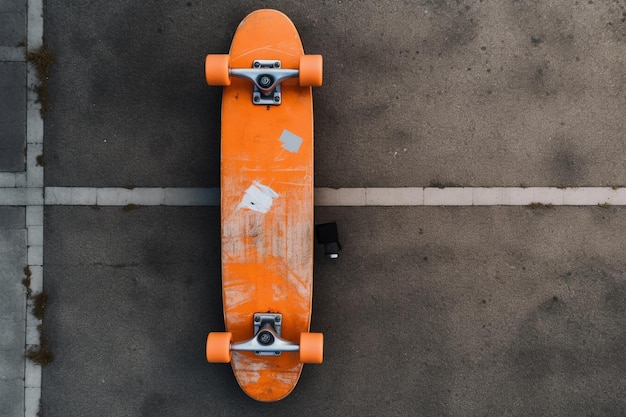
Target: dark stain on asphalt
{"points": [[616, 20], [543, 81], [568, 166], [571, 336], [153, 405], [615, 299], [454, 23]]}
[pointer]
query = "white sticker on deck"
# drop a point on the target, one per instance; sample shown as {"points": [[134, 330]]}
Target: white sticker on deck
{"points": [[258, 197], [291, 142]]}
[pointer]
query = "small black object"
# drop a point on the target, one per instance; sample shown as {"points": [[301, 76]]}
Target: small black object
{"points": [[327, 235]]}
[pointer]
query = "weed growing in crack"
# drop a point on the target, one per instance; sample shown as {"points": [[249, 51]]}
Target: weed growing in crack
{"points": [[540, 205], [130, 207], [39, 304], [41, 59], [41, 354], [26, 281]]}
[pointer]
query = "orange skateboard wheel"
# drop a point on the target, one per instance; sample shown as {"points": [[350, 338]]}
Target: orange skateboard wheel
{"points": [[217, 69], [311, 347], [311, 70], [218, 347]]}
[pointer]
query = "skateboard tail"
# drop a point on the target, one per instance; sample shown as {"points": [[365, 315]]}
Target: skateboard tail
{"points": [[261, 385]]}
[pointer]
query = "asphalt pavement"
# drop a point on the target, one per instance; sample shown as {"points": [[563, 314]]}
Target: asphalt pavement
{"points": [[430, 310]]}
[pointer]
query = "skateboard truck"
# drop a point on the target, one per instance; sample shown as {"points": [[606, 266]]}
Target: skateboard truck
{"points": [[266, 75], [266, 340]]}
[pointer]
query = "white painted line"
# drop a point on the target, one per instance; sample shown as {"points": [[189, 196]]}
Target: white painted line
{"points": [[124, 196], [470, 196], [393, 196], [70, 196], [34, 198], [21, 196], [32, 371], [82, 196], [513, 196], [34, 126], [34, 171], [192, 197], [32, 375], [36, 278], [340, 197], [35, 235], [32, 334], [617, 197], [492, 196], [34, 26], [588, 195], [402, 196], [34, 216], [35, 255], [448, 196], [547, 195], [32, 98], [32, 397]]}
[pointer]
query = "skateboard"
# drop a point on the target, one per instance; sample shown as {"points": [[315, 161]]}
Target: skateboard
{"points": [[266, 205]]}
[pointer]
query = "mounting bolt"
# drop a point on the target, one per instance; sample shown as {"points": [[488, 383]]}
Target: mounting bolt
{"points": [[276, 64], [257, 318], [276, 99], [257, 99], [257, 65], [277, 319]]}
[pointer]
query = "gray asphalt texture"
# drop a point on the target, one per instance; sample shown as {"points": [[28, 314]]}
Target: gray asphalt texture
{"points": [[12, 306], [418, 93], [12, 106], [429, 311]]}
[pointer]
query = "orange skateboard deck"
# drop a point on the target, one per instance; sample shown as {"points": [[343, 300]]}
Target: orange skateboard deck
{"points": [[266, 205]]}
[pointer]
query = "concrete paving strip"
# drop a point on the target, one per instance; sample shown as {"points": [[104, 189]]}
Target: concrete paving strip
{"points": [[26, 189], [470, 196], [403, 196]]}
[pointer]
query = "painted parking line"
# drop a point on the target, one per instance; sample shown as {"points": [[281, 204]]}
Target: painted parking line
{"points": [[83, 196], [348, 197], [471, 196]]}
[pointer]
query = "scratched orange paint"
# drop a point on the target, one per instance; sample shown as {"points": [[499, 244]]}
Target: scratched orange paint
{"points": [[267, 257]]}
